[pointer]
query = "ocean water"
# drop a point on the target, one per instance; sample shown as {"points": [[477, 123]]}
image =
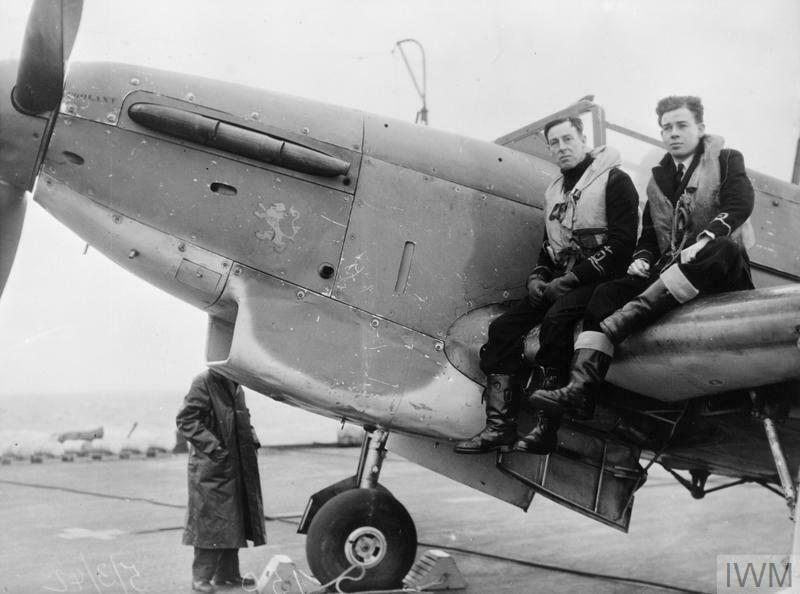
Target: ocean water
{"points": [[30, 423]]}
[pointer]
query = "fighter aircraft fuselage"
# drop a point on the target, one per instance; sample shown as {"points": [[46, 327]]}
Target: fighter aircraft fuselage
{"points": [[332, 290], [350, 264], [335, 251]]}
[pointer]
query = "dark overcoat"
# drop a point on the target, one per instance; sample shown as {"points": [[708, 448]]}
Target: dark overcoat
{"points": [[225, 506]]}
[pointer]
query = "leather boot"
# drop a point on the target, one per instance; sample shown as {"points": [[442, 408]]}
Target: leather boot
{"points": [[543, 438], [640, 311], [593, 353], [542, 377], [501, 396]]}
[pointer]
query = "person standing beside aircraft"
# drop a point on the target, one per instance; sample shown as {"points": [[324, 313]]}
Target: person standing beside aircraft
{"points": [[225, 506], [590, 222], [694, 229]]}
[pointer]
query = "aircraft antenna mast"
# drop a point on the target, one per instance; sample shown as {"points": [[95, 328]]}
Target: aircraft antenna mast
{"points": [[422, 114]]}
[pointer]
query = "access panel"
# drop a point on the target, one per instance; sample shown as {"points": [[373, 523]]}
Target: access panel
{"points": [[422, 251]]}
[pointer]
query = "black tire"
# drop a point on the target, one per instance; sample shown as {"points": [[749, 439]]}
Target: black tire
{"points": [[366, 527]]}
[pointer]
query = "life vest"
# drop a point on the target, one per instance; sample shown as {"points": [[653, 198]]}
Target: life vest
{"points": [[576, 221], [677, 227]]}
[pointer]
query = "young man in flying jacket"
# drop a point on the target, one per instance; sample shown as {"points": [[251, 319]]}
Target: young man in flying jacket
{"points": [[694, 230], [590, 219]]}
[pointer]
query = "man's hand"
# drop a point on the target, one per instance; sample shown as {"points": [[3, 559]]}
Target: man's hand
{"points": [[639, 267], [561, 286], [690, 253], [536, 286]]}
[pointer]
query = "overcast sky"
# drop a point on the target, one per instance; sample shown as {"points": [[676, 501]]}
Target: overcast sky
{"points": [[71, 322]]}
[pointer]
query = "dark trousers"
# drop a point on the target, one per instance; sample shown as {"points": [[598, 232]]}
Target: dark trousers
{"points": [[218, 564], [504, 351], [721, 266]]}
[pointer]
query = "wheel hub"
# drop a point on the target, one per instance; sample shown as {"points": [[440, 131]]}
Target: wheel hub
{"points": [[365, 547]]}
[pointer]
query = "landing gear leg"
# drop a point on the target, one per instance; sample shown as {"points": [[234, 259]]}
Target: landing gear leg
{"points": [[782, 466], [363, 538], [796, 518], [790, 487], [795, 553], [373, 452]]}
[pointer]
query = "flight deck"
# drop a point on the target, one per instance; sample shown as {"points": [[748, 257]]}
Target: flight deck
{"points": [[115, 525]]}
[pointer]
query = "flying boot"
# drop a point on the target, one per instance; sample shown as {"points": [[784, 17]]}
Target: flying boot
{"points": [[650, 305], [543, 438], [594, 350], [501, 396], [593, 353]]}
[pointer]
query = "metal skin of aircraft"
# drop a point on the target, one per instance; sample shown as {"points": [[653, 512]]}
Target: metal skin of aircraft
{"points": [[350, 265]]}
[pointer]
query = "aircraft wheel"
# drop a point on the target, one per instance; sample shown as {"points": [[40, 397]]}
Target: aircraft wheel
{"points": [[365, 528]]}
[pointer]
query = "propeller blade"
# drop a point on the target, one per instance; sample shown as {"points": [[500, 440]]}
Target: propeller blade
{"points": [[12, 215], [49, 37], [71, 20]]}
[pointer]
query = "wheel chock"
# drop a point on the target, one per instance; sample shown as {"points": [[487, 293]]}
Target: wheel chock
{"points": [[435, 570], [280, 576]]}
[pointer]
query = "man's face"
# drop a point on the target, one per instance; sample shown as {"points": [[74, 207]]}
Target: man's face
{"points": [[680, 133], [566, 144]]}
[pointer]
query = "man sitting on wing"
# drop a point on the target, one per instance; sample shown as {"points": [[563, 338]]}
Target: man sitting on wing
{"points": [[694, 228], [590, 222]]}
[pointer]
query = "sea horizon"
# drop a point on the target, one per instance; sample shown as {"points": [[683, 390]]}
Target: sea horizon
{"points": [[31, 422]]}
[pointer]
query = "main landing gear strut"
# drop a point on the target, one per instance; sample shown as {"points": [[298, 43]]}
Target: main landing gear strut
{"points": [[790, 487], [358, 535], [781, 465]]}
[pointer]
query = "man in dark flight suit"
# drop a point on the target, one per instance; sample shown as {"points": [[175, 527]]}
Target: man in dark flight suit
{"points": [[694, 229], [591, 217]]}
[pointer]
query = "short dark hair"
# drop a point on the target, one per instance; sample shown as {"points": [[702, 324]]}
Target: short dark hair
{"points": [[576, 122], [673, 102]]}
